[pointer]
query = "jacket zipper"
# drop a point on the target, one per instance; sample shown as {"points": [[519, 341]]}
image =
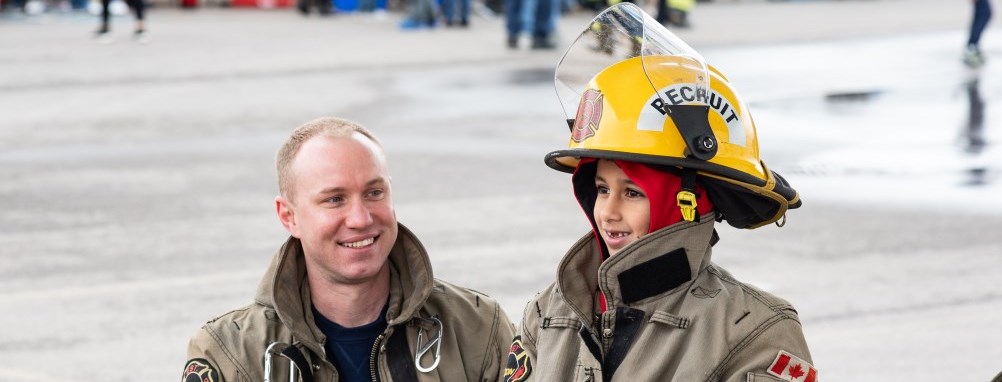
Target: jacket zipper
{"points": [[372, 357]]}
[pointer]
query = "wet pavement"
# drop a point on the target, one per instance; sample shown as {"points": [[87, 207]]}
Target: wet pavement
{"points": [[137, 180]]}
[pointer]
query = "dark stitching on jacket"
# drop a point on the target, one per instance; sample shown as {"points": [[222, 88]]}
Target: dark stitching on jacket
{"points": [[777, 307], [744, 344], [539, 312], [490, 343], [227, 352], [742, 317]]}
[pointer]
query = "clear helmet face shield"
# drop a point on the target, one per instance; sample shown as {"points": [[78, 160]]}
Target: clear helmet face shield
{"points": [[675, 74], [622, 32]]}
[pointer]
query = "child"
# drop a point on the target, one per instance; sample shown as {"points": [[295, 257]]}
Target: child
{"points": [[661, 147]]}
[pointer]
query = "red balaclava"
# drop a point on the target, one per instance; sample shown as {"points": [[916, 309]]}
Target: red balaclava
{"points": [[660, 186]]}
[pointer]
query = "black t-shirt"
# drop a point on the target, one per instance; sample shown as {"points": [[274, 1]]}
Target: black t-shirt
{"points": [[349, 348]]}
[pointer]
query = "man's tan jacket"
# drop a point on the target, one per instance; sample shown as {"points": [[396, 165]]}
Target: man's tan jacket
{"points": [[475, 332], [671, 315]]}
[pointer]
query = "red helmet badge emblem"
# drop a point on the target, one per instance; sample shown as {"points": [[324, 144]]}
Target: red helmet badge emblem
{"points": [[588, 116]]}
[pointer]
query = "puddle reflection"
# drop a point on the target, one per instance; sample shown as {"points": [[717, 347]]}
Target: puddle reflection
{"points": [[973, 134]]}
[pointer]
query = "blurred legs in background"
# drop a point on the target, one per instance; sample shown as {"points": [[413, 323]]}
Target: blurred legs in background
{"points": [[540, 15], [424, 13], [449, 9], [138, 7], [982, 13]]}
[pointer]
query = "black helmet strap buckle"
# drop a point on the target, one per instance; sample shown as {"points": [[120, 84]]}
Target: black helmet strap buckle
{"points": [[693, 123]]}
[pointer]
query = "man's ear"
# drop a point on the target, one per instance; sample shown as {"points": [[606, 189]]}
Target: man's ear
{"points": [[286, 215]]}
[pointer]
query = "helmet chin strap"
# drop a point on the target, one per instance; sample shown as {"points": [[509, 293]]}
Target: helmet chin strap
{"points": [[692, 123], [686, 197]]}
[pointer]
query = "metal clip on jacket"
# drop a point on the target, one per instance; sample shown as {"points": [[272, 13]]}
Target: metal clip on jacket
{"points": [[297, 362], [422, 349]]}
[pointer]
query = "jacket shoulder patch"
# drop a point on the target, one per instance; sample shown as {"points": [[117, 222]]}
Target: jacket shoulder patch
{"points": [[789, 367], [519, 367], [200, 370]]}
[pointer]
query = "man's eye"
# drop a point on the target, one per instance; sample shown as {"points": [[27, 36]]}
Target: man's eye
{"points": [[376, 194], [335, 199]]}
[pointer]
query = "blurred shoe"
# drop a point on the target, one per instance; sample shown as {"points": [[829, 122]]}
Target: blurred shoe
{"points": [[411, 24], [103, 35], [141, 36], [513, 42], [543, 43], [973, 57]]}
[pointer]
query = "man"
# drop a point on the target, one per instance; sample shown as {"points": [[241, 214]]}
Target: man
{"points": [[350, 296]]}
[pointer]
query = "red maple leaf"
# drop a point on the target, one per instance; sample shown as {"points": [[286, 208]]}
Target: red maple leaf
{"points": [[796, 371]]}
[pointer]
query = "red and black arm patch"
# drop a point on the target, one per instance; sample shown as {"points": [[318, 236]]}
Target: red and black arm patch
{"points": [[519, 367], [200, 370]]}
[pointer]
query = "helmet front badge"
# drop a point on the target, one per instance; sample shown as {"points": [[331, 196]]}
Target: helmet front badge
{"points": [[588, 116]]}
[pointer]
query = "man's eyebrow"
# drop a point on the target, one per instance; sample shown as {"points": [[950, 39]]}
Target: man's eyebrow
{"points": [[334, 190], [375, 181]]}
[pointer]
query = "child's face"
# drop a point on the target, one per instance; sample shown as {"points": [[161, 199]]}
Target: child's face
{"points": [[622, 211]]}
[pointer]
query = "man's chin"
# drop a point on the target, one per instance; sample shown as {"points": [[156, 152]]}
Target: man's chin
{"points": [[361, 275]]}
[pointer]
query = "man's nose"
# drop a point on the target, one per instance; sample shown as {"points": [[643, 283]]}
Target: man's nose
{"points": [[358, 216]]}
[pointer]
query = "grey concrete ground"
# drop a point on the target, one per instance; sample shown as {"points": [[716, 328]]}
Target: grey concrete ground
{"points": [[136, 181]]}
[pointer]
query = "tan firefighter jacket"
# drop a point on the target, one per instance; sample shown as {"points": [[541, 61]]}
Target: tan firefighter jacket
{"points": [[475, 332], [672, 316]]}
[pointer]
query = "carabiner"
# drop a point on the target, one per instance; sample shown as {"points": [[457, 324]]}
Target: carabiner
{"points": [[422, 349]]}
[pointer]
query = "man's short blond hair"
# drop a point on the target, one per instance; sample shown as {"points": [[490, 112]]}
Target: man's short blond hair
{"points": [[327, 126]]}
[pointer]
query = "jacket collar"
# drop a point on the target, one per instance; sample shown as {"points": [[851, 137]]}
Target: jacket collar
{"points": [[673, 255], [285, 288]]}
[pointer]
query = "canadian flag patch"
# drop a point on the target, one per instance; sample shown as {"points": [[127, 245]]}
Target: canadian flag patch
{"points": [[790, 368]]}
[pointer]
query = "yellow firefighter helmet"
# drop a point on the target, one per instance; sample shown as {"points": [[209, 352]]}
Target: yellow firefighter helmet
{"points": [[634, 91]]}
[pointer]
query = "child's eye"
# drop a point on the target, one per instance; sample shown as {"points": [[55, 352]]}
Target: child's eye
{"points": [[634, 194], [602, 190]]}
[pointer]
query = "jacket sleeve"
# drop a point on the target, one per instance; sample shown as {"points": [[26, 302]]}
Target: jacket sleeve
{"points": [[520, 357], [776, 352], [209, 361]]}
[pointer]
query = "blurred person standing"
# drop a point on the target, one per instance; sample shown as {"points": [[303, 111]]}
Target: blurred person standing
{"points": [[138, 7], [982, 14], [538, 17], [661, 148], [351, 295]]}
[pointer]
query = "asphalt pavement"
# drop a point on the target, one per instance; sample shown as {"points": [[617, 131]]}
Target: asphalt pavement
{"points": [[137, 181]]}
